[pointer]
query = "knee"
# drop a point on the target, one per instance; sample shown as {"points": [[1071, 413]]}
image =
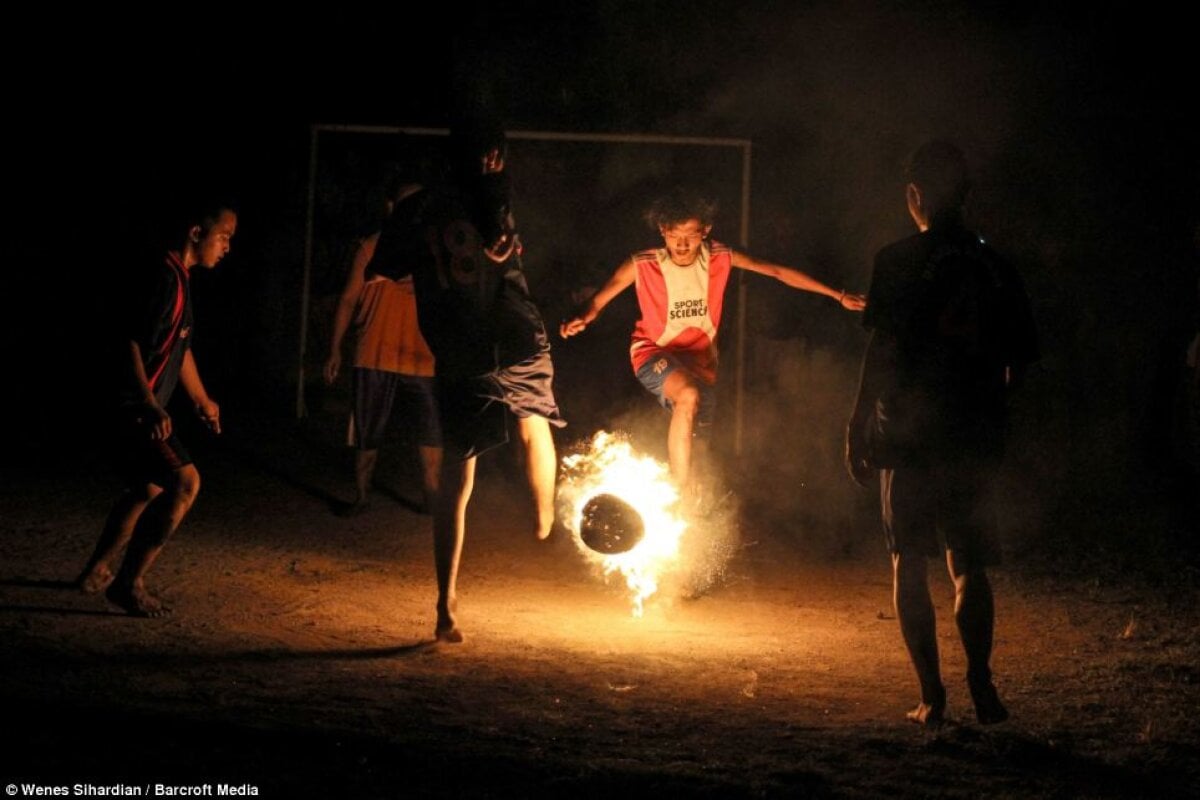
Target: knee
{"points": [[909, 570], [687, 401], [145, 493], [187, 486]]}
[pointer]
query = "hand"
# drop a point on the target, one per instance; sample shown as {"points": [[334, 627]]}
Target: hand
{"points": [[210, 414], [502, 249], [572, 327], [159, 422], [852, 302], [861, 472], [333, 366]]}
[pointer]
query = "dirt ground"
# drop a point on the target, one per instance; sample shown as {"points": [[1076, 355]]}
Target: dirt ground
{"points": [[299, 661]]}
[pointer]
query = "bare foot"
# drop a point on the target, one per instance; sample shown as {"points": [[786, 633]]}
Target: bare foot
{"points": [[96, 579], [447, 629], [930, 713], [988, 708], [927, 715], [448, 633], [137, 602]]}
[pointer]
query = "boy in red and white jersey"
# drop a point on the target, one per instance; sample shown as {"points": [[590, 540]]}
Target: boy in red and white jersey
{"points": [[680, 288]]}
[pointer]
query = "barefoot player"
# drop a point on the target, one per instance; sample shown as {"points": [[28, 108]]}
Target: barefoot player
{"points": [[680, 288], [492, 355], [155, 355], [951, 329]]}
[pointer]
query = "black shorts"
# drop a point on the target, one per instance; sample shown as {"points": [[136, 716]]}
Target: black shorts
{"points": [[474, 411], [921, 504], [377, 392], [139, 458]]}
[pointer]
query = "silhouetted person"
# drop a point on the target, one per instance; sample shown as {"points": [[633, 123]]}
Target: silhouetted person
{"points": [[392, 364], [680, 290], [951, 330], [155, 355], [459, 242]]}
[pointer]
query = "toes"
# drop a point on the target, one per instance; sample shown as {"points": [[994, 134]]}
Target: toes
{"points": [[94, 582], [137, 604], [927, 715]]}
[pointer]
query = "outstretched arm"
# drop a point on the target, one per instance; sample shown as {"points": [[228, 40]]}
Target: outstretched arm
{"points": [[799, 280], [346, 305], [620, 280]]}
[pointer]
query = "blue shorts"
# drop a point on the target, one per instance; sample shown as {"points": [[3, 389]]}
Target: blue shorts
{"points": [[377, 392], [653, 374], [474, 410]]}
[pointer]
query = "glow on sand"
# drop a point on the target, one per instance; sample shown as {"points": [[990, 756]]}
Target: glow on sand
{"points": [[610, 466]]}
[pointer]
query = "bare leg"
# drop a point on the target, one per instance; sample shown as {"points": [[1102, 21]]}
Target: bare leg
{"points": [[700, 484], [540, 469], [364, 468], [449, 529], [156, 524], [680, 388], [918, 626], [431, 466], [974, 612], [118, 528]]}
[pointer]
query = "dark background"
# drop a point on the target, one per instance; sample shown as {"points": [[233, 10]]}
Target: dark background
{"points": [[1075, 123]]}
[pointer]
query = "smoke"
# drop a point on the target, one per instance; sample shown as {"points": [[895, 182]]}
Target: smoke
{"points": [[792, 482], [1084, 169]]}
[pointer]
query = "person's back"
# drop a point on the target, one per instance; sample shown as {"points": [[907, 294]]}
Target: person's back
{"points": [[389, 337], [393, 366], [957, 313], [472, 299]]}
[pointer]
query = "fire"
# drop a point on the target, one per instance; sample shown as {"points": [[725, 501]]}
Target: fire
{"points": [[610, 466]]}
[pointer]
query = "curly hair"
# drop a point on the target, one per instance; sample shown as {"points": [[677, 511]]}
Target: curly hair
{"points": [[678, 206]]}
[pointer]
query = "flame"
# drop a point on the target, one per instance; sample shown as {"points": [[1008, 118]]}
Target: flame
{"points": [[609, 465]]}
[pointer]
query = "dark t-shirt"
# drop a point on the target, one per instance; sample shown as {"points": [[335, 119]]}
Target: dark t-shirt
{"points": [[959, 316], [475, 313], [158, 316]]}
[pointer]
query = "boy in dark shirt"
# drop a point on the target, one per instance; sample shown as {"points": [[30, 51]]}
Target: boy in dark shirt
{"points": [[155, 354], [952, 329], [492, 355]]}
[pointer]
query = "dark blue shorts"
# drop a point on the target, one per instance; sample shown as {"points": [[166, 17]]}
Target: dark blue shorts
{"points": [[377, 393], [653, 374], [474, 411]]}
